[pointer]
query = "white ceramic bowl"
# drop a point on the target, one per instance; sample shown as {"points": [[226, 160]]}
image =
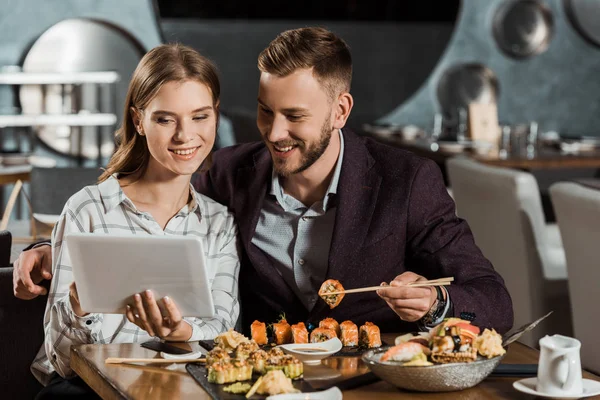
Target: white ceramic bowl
{"points": [[307, 354]]}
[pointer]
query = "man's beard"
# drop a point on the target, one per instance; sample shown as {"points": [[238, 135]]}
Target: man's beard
{"points": [[313, 153]]}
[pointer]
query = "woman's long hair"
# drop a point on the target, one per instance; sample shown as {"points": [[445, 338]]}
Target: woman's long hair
{"points": [[162, 64]]}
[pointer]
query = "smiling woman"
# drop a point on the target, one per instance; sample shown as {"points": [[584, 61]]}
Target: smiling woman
{"points": [[169, 129]]}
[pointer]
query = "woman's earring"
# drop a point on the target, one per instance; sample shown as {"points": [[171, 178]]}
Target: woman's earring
{"points": [[140, 133]]}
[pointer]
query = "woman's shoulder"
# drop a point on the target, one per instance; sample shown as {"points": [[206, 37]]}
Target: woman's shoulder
{"points": [[89, 195], [213, 207]]}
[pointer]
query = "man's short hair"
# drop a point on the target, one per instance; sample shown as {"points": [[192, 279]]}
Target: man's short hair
{"points": [[305, 48]]}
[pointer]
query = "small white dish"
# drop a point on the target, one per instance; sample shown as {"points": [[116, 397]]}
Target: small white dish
{"points": [[528, 385], [42, 162], [195, 354], [48, 219], [15, 158], [313, 353], [330, 394]]}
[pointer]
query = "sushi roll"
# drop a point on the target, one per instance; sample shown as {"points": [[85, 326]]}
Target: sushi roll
{"points": [[331, 285], [290, 365], [215, 355], [258, 332], [409, 354], [258, 359], [322, 335], [227, 371], [243, 350], [299, 333], [349, 333], [369, 335], [275, 352], [330, 323], [282, 332]]}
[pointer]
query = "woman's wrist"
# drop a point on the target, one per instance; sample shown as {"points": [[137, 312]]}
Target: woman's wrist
{"points": [[182, 334]]}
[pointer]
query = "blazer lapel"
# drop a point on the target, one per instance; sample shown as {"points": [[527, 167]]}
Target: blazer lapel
{"points": [[251, 187], [358, 189]]}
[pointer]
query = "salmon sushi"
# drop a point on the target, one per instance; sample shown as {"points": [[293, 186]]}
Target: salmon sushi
{"points": [[258, 331], [409, 354], [299, 333], [322, 335], [330, 323], [329, 286], [282, 332], [349, 333], [369, 335]]}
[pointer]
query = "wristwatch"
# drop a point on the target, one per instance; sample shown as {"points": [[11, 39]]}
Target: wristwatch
{"points": [[437, 308]]}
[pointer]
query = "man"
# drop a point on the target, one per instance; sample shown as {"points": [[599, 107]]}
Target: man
{"points": [[314, 201]]}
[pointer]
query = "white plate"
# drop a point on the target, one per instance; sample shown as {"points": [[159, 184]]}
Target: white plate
{"points": [[329, 347], [590, 388], [330, 394]]}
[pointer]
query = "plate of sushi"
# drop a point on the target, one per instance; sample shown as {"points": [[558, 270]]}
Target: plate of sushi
{"points": [[350, 338], [455, 355]]}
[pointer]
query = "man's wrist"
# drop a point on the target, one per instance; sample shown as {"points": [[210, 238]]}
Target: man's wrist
{"points": [[437, 309]]}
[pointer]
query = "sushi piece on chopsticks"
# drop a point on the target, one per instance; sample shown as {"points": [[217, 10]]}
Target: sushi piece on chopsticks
{"points": [[331, 285]]}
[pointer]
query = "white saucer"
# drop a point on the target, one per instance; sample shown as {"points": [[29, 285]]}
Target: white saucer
{"points": [[195, 354], [330, 394], [590, 388]]}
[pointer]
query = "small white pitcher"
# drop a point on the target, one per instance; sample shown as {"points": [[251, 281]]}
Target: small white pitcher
{"points": [[559, 370]]}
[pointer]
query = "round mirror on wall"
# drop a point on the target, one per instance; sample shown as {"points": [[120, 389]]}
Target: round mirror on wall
{"points": [[522, 28], [463, 84], [584, 15], [79, 45]]}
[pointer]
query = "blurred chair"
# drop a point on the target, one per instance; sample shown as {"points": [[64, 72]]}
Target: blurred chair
{"points": [[5, 248], [50, 188], [22, 334], [503, 208], [577, 210]]}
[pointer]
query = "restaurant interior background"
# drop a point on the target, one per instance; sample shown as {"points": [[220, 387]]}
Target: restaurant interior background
{"points": [[417, 67]]}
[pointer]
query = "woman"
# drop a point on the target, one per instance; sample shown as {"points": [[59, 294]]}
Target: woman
{"points": [[170, 119]]}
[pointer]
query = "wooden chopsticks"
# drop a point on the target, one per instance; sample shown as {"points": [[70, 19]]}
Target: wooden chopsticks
{"points": [[433, 282], [118, 360]]}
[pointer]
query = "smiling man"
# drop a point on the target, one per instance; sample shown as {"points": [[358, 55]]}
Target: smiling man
{"points": [[314, 201]]}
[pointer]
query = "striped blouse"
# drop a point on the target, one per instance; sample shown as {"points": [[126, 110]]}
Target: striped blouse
{"points": [[105, 208]]}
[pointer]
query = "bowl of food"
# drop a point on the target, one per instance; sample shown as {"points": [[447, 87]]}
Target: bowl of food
{"points": [[455, 357]]}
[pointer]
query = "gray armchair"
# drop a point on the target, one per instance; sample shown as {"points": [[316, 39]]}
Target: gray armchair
{"points": [[577, 211], [504, 210], [52, 187]]}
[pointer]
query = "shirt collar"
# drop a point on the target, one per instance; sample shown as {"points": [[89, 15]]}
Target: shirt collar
{"points": [[277, 189], [112, 195]]}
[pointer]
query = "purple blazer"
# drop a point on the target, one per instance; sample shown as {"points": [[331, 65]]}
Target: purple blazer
{"points": [[393, 215]]}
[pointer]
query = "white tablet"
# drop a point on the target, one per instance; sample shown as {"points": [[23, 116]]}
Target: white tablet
{"points": [[110, 269]]}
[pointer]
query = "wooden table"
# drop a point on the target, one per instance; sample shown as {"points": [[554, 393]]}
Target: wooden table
{"points": [[119, 381], [545, 158], [11, 174]]}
